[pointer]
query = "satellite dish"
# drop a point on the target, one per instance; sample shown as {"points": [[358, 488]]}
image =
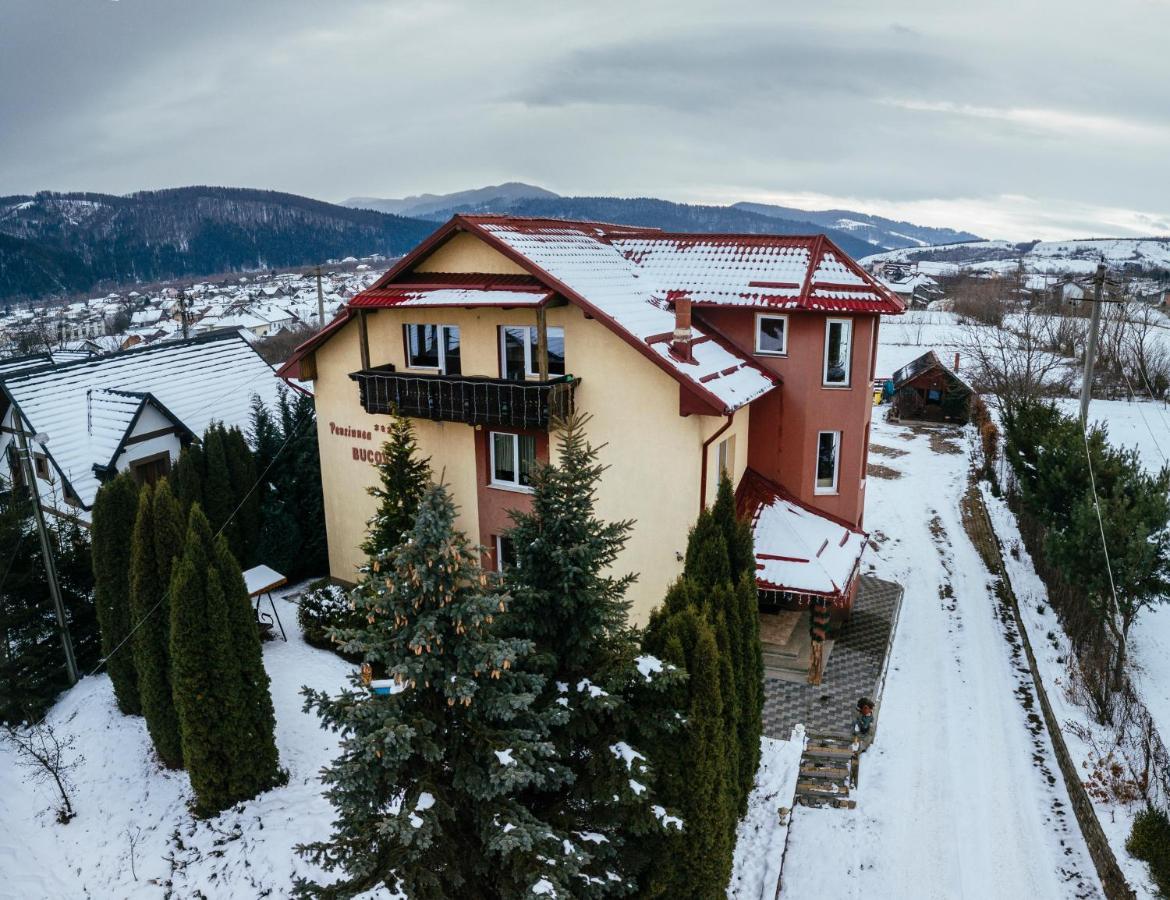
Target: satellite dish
{"points": [[41, 438]]}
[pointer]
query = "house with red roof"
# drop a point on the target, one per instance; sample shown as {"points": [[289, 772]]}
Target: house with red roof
{"points": [[692, 354]]}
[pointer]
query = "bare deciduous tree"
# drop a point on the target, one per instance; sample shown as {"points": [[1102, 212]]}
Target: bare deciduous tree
{"points": [[1015, 364], [49, 757]]}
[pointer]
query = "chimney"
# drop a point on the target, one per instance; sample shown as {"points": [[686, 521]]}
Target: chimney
{"points": [[680, 345], [956, 369]]}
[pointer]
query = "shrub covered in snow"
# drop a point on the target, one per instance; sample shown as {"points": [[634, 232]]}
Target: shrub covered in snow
{"points": [[323, 606]]}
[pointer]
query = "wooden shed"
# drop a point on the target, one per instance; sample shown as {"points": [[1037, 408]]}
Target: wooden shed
{"points": [[925, 389]]}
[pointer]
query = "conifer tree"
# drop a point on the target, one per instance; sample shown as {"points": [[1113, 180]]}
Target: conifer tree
{"points": [[255, 766], [403, 479], [113, 521], [426, 784], [566, 602], [694, 864], [201, 668], [244, 527], [157, 539], [218, 498], [188, 477], [220, 688]]}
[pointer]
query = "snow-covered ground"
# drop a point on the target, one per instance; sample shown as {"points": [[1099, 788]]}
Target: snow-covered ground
{"points": [[123, 794], [959, 795], [762, 833]]}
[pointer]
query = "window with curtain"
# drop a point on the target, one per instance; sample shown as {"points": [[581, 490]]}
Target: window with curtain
{"points": [[513, 460]]}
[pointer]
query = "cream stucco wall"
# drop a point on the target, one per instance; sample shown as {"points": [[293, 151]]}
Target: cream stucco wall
{"points": [[466, 253], [653, 453]]}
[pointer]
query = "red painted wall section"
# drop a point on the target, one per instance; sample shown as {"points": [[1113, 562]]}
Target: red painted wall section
{"points": [[787, 452], [495, 503]]}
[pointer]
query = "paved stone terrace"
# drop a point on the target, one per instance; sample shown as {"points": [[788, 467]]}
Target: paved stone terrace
{"points": [[854, 669]]}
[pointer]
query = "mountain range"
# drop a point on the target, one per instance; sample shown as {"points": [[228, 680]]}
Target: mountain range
{"points": [[856, 233], [59, 244]]}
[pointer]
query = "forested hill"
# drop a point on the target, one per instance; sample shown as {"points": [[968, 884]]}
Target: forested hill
{"points": [[649, 212], [54, 244]]}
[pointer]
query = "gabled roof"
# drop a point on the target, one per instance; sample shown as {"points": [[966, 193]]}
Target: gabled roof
{"points": [[110, 419], [629, 279], [195, 382], [798, 548], [924, 363]]}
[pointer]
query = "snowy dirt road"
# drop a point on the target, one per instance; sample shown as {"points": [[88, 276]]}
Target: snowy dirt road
{"points": [[959, 796]]}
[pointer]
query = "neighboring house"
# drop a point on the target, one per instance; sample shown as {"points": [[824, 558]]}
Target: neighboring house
{"points": [[691, 353], [926, 389], [129, 411]]}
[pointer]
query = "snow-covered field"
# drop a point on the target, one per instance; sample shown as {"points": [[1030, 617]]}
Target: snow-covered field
{"points": [[959, 795], [122, 794]]}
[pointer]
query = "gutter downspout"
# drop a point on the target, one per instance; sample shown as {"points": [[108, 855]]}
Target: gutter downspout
{"points": [[703, 463]]}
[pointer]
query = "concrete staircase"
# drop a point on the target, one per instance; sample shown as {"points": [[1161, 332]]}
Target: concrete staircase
{"points": [[828, 772]]}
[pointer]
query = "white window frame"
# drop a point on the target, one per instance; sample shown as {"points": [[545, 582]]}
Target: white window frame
{"points": [[442, 345], [500, 553], [530, 344], [507, 485], [817, 488], [760, 316], [848, 324]]}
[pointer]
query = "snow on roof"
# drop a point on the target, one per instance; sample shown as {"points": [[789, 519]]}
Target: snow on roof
{"points": [[797, 548], [410, 296], [577, 256], [15, 364], [198, 381]]}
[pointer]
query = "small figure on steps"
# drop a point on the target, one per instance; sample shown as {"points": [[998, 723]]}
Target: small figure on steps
{"points": [[863, 721]]}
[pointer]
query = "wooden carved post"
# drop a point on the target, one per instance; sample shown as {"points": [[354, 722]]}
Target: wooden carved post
{"points": [[363, 339], [542, 343], [819, 632]]}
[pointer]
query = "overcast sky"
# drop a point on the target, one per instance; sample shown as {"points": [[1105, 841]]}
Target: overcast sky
{"points": [[1012, 119]]}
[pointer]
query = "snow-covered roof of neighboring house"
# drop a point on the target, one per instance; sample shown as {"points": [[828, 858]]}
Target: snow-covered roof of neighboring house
{"points": [[111, 416], [15, 364], [197, 382], [798, 548]]}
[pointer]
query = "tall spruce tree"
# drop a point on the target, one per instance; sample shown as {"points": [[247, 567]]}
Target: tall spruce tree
{"points": [[113, 520], [403, 479], [156, 540], [567, 603], [426, 786]]}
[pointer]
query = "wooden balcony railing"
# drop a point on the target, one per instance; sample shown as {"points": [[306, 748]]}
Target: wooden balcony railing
{"points": [[467, 399]]}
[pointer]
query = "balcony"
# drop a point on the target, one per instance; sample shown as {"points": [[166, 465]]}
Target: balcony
{"points": [[470, 400]]}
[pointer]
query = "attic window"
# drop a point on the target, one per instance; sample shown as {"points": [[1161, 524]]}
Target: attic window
{"points": [[433, 347], [41, 466]]}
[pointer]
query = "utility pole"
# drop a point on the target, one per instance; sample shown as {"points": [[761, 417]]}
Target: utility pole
{"points": [[47, 552], [1091, 348], [183, 312], [320, 302]]}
